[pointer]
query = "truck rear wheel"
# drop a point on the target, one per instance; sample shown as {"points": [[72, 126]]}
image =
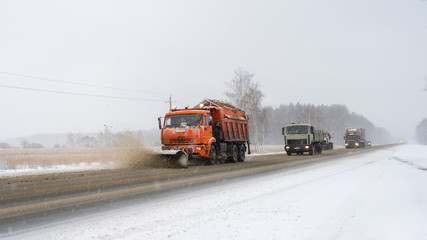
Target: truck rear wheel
{"points": [[213, 157], [241, 155], [234, 154], [319, 149]]}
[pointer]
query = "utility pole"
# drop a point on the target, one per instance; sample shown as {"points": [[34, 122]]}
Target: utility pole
{"points": [[170, 102]]}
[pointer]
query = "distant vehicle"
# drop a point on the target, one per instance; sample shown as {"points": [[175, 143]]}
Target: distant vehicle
{"points": [[300, 138], [326, 140], [211, 131], [368, 143], [354, 138]]}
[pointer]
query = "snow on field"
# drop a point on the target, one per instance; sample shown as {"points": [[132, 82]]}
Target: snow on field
{"points": [[377, 195], [27, 169]]}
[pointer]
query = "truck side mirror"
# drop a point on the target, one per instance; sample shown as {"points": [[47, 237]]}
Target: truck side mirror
{"points": [[283, 131], [160, 122]]}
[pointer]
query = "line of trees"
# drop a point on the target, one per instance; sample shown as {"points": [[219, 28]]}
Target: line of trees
{"points": [[5, 145], [105, 139], [24, 144], [334, 119], [266, 122]]}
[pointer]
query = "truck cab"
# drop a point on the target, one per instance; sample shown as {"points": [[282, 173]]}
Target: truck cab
{"points": [[189, 130]]}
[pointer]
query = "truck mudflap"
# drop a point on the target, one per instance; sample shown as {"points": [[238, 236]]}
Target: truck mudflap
{"points": [[174, 158]]}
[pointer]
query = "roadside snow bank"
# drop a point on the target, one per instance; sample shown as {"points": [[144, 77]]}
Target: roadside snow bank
{"points": [[20, 170]]}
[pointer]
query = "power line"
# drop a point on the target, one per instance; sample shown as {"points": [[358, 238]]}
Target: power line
{"points": [[79, 94], [79, 83], [85, 84]]}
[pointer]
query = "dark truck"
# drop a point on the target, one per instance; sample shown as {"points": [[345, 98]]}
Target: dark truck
{"points": [[354, 138]]}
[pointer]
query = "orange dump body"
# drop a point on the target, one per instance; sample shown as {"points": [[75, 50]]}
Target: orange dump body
{"points": [[232, 126]]}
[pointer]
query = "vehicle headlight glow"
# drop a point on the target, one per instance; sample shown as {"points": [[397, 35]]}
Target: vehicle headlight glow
{"points": [[307, 147]]}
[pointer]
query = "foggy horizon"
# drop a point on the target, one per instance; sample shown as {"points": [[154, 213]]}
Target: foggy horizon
{"points": [[80, 66]]}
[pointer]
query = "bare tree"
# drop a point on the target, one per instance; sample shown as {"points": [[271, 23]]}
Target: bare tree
{"points": [[25, 144], [70, 139], [264, 120], [246, 95]]}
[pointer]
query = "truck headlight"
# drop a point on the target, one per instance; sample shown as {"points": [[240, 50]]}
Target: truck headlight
{"points": [[357, 144], [346, 144], [287, 147], [307, 147], [198, 148]]}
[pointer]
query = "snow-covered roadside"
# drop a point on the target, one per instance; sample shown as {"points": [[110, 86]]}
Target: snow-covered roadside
{"points": [[34, 169], [379, 195], [21, 170]]}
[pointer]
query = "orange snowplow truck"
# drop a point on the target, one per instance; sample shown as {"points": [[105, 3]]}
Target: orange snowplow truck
{"points": [[211, 131]]}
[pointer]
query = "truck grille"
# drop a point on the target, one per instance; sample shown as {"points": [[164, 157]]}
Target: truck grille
{"points": [[181, 140], [297, 142]]}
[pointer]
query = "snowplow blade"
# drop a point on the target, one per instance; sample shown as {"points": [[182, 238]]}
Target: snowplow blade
{"points": [[175, 158]]}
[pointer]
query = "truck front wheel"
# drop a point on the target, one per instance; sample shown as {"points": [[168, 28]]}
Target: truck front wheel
{"points": [[213, 157], [310, 152]]}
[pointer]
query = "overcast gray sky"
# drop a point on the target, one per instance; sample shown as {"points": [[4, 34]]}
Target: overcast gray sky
{"points": [[370, 55]]}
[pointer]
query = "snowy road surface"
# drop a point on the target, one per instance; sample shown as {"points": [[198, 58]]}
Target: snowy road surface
{"points": [[377, 195]]}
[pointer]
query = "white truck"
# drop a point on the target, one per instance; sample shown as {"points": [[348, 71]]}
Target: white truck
{"points": [[300, 138]]}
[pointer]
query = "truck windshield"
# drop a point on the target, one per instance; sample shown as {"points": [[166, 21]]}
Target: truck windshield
{"points": [[182, 120], [297, 130], [351, 137]]}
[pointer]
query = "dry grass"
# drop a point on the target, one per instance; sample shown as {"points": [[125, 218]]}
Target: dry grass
{"points": [[53, 156], [120, 157]]}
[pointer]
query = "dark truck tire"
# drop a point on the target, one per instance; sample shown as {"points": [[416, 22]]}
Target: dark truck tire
{"points": [[213, 157], [234, 154], [318, 148], [289, 153], [241, 154]]}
